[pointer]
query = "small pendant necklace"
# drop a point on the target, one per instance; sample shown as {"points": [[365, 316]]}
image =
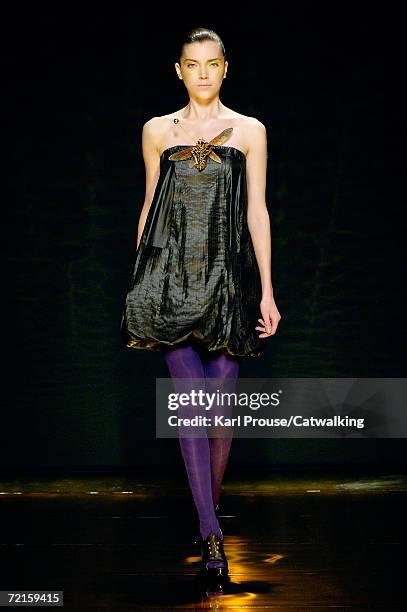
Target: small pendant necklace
{"points": [[177, 121]]}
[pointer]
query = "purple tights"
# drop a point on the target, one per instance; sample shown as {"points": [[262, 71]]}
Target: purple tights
{"points": [[205, 457]]}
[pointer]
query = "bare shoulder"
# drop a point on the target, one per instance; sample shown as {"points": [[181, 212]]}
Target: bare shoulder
{"points": [[251, 131], [255, 135], [157, 130], [155, 124], [253, 127], [151, 132]]}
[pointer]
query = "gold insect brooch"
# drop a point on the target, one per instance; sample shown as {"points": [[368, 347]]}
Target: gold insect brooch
{"points": [[202, 150]]}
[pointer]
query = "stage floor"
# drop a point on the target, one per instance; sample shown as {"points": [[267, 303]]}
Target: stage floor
{"points": [[293, 541]]}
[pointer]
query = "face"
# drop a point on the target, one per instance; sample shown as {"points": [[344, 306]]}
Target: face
{"points": [[202, 67]]}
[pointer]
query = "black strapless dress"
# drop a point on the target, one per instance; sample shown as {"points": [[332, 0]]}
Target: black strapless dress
{"points": [[195, 277]]}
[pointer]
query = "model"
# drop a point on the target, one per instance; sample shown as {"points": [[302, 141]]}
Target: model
{"points": [[201, 289]]}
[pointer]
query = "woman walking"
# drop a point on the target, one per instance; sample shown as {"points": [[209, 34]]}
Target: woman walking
{"points": [[201, 289]]}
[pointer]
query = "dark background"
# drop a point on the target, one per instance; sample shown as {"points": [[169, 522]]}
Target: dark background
{"points": [[324, 79]]}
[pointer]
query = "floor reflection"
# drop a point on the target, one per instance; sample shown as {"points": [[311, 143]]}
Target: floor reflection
{"points": [[124, 544]]}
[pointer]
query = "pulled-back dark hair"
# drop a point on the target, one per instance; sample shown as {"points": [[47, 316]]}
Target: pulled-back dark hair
{"points": [[199, 35]]}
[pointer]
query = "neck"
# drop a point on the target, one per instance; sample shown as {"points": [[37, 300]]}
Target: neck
{"points": [[202, 110]]}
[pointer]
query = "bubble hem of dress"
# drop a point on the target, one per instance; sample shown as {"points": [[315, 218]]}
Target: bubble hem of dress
{"points": [[159, 345]]}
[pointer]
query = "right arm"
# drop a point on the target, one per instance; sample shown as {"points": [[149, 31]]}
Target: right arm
{"points": [[151, 156]]}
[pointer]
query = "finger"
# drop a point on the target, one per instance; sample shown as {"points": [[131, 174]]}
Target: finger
{"points": [[266, 320], [274, 324], [268, 325], [267, 328]]}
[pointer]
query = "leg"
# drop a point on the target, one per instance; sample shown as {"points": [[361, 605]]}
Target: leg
{"points": [[221, 366], [185, 362]]}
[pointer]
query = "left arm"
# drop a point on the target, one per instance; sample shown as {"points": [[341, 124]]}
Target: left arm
{"points": [[258, 221]]}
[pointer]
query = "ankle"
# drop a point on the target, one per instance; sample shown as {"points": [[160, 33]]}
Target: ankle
{"points": [[205, 531]]}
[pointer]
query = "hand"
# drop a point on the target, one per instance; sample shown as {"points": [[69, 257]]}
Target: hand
{"points": [[270, 319]]}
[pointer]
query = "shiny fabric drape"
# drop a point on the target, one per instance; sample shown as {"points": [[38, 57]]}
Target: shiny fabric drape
{"points": [[195, 275]]}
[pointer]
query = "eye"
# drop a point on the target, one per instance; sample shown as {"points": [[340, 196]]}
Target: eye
{"points": [[189, 65]]}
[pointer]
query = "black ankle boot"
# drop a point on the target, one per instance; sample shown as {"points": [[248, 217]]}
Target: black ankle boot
{"points": [[212, 550], [197, 538]]}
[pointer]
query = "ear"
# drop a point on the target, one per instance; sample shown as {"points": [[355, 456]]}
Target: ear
{"points": [[178, 70], [226, 69]]}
